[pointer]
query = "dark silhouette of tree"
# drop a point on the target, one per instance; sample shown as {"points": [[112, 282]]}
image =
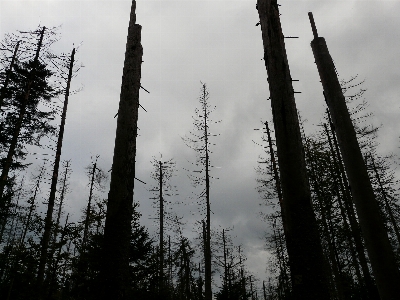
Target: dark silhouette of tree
{"points": [[200, 142], [50, 206], [117, 231], [162, 173], [375, 235], [23, 100], [308, 274], [97, 177]]}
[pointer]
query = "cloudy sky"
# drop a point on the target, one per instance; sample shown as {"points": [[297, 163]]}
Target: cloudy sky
{"points": [[215, 42]]}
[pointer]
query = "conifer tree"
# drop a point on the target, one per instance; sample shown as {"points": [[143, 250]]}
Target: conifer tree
{"points": [[200, 142]]}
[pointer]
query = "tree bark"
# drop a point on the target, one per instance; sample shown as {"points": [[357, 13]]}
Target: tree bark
{"points": [[309, 277], [117, 232], [382, 259]]}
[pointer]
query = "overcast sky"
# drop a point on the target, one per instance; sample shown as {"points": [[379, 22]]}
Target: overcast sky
{"points": [[216, 42]]}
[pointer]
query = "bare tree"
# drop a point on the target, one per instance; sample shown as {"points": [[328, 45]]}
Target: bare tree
{"points": [[163, 172], [307, 266], [115, 264], [97, 177], [54, 179], [200, 142]]}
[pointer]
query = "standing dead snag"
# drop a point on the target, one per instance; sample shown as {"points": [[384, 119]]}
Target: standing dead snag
{"points": [[201, 144], [54, 179], [307, 265], [115, 264], [162, 173], [382, 259]]}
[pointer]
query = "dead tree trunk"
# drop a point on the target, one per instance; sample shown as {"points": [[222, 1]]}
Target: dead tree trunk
{"points": [[348, 205], [161, 228], [382, 259], [117, 231], [207, 260], [54, 267], [57, 223], [54, 179], [18, 125], [87, 218], [62, 196], [309, 278], [225, 263], [264, 291]]}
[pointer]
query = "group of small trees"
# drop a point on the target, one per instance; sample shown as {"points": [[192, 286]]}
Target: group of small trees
{"points": [[343, 244]]}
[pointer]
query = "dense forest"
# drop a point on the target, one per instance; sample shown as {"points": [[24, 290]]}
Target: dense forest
{"points": [[329, 200]]}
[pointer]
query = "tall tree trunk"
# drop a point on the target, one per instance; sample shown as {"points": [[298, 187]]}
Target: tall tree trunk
{"points": [[264, 291], [87, 218], [50, 206], [382, 259], [54, 267], [18, 125], [325, 206], [242, 277], [351, 231], [57, 224], [207, 269], [117, 231], [348, 205], [161, 228], [225, 254], [309, 276], [280, 250]]}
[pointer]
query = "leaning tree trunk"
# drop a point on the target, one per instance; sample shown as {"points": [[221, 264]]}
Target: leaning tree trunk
{"points": [[384, 267], [346, 206], [117, 231], [88, 208], [50, 206], [307, 265]]}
